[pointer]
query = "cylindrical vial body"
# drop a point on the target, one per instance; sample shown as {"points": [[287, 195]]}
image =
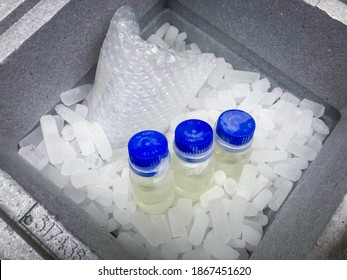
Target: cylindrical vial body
{"points": [[193, 162], [233, 141], [152, 180]]}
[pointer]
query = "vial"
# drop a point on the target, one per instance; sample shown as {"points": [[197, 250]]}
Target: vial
{"points": [[233, 141], [150, 175], [193, 161]]}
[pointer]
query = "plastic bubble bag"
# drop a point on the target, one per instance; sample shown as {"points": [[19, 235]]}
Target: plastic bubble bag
{"points": [[139, 85]]}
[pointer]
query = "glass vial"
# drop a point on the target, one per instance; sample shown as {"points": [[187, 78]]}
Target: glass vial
{"points": [[151, 177], [233, 141], [193, 161]]}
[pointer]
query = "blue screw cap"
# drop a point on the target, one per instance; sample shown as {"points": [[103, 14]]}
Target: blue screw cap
{"points": [[235, 127], [147, 148], [193, 140]]}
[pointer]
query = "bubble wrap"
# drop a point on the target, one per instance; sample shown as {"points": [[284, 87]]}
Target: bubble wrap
{"points": [[139, 85]]}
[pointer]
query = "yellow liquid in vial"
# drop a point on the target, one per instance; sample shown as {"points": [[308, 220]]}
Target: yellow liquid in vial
{"points": [[231, 163], [154, 194], [193, 179]]}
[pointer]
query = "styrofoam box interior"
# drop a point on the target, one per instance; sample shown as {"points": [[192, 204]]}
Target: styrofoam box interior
{"points": [[64, 52]]}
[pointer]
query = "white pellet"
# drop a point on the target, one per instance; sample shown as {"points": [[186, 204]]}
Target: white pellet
{"points": [[84, 179], [182, 244], [237, 243], [251, 100], [301, 151], [34, 156], [268, 156], [287, 132], [68, 133], [121, 192], [225, 103], [100, 140], [224, 84], [271, 98], [185, 205], [316, 108], [315, 144], [247, 181], [213, 115], [84, 138], [73, 166], [297, 162], [230, 186], [82, 110], [213, 193], [210, 103], [262, 199], [285, 112], [162, 225], [250, 235], [219, 220], [236, 216], [198, 209], [154, 39], [262, 219], [195, 48], [52, 139], [67, 114], [288, 171], [198, 230], [236, 76], [60, 123], [252, 209], [300, 139], [123, 216], [319, 136], [266, 171], [319, 126], [69, 152], [287, 96], [177, 223], [93, 161], [75, 95], [112, 225], [217, 74], [54, 175], [261, 182], [162, 30], [204, 92], [219, 177], [104, 200], [279, 196], [181, 36], [196, 103], [171, 35], [135, 249], [219, 250], [180, 46], [241, 90], [280, 182], [146, 228], [261, 85], [305, 123]]}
